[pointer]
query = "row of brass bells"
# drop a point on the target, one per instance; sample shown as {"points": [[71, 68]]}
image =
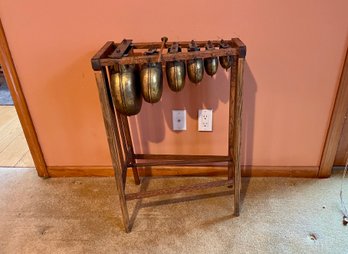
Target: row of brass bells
{"points": [[211, 64], [125, 91], [225, 61], [195, 67], [151, 80], [175, 70], [127, 87]]}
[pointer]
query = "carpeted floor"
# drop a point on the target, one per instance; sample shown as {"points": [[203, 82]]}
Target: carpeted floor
{"points": [[81, 215]]}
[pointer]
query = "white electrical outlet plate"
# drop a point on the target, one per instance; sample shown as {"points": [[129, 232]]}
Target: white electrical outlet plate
{"points": [[205, 120], [179, 120]]}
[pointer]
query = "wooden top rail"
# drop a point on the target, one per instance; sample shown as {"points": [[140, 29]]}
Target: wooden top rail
{"points": [[169, 57], [183, 44], [110, 54]]}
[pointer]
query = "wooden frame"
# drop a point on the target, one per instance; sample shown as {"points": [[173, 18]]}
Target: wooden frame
{"points": [[336, 124], [20, 104], [118, 133]]}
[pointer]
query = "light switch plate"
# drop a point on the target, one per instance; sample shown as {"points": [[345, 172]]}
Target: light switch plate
{"points": [[205, 120], [179, 120]]}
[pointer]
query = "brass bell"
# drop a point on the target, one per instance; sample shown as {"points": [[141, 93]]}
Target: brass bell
{"points": [[195, 67], [176, 71], [125, 89], [211, 64], [151, 80], [225, 61]]}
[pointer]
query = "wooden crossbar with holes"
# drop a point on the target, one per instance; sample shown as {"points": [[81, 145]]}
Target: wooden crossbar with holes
{"points": [[117, 126]]}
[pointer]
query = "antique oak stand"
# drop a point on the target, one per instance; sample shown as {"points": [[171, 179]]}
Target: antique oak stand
{"points": [[117, 127]]}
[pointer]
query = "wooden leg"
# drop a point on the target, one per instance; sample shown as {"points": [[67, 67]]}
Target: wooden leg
{"points": [[233, 84], [113, 140], [130, 150], [237, 135], [124, 153]]}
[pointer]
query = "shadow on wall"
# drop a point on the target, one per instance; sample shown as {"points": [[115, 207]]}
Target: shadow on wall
{"points": [[151, 124], [249, 97], [247, 149], [154, 120]]}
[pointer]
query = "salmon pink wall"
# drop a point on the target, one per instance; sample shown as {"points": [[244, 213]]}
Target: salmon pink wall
{"points": [[295, 55]]}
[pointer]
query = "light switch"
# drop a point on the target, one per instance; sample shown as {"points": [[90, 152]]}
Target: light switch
{"points": [[179, 120]]}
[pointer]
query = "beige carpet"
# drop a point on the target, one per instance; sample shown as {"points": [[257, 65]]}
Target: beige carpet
{"points": [[81, 215]]}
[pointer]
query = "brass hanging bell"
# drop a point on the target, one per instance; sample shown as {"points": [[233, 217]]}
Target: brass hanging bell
{"points": [[211, 64], [225, 61], [175, 70], [151, 80], [125, 89], [195, 67]]}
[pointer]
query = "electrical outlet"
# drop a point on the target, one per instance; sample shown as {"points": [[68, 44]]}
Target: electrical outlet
{"points": [[205, 120], [179, 120]]}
